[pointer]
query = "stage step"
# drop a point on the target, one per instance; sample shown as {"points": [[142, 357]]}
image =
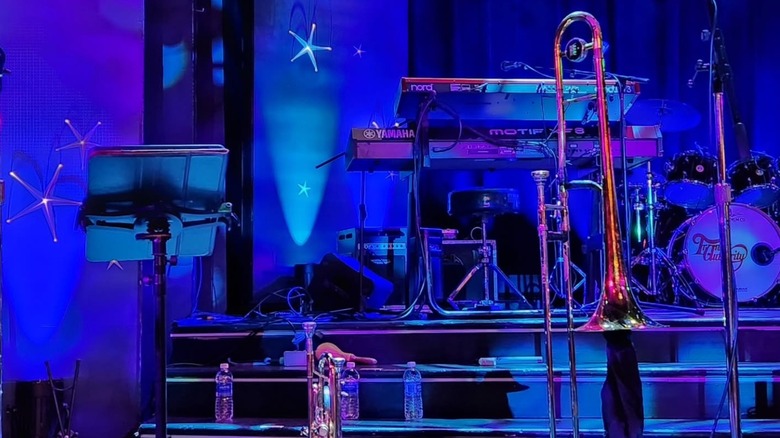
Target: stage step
{"points": [[687, 338], [460, 391], [590, 428], [682, 368]]}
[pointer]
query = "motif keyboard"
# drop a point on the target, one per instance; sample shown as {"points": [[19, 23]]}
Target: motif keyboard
{"points": [[373, 149]]}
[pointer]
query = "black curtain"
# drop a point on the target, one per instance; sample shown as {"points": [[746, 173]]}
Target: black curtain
{"points": [[656, 39]]}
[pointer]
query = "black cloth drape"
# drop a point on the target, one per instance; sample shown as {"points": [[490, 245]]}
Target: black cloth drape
{"points": [[622, 403]]}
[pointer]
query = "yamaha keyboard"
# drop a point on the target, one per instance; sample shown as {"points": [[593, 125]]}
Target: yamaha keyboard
{"points": [[372, 149], [508, 99]]}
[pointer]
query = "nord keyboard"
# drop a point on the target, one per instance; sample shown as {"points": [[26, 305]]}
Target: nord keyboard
{"points": [[508, 99], [373, 149]]}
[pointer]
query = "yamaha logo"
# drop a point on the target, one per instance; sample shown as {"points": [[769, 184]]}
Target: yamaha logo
{"points": [[369, 134]]}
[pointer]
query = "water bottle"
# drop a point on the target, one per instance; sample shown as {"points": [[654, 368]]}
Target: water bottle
{"points": [[223, 407], [350, 393], [413, 403]]}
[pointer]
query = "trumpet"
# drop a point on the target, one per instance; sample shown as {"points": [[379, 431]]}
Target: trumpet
{"points": [[617, 309], [323, 384]]}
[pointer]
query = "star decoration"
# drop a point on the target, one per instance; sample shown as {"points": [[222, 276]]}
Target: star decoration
{"points": [[45, 201], [307, 48], [113, 263], [391, 175], [82, 142], [304, 189], [359, 51]]}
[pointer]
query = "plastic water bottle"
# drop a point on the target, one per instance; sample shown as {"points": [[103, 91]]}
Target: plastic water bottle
{"points": [[350, 393], [223, 407], [413, 402]]}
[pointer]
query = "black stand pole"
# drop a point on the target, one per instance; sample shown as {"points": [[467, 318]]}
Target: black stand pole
{"points": [[2, 201], [159, 234], [363, 212]]}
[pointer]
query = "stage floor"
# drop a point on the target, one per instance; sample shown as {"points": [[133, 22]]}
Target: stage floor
{"points": [[589, 427]]}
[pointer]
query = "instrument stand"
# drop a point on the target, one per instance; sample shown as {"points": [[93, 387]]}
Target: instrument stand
{"points": [[159, 232], [486, 265], [160, 203], [655, 256], [722, 80], [363, 212], [65, 431], [556, 275]]}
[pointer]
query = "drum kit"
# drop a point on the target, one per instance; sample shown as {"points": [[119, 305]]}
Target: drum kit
{"points": [[675, 240]]}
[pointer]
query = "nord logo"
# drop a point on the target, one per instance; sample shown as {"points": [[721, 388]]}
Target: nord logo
{"points": [[421, 87]]}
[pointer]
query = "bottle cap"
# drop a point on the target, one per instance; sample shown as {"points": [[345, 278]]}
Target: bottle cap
{"points": [[224, 366], [411, 364], [350, 365]]}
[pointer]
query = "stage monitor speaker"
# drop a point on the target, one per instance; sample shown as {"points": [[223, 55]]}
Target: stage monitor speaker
{"points": [[385, 254], [336, 285]]}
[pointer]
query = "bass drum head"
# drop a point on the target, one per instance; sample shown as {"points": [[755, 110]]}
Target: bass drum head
{"points": [[750, 227]]}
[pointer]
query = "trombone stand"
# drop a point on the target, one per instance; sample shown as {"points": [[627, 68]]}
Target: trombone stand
{"points": [[558, 284]]}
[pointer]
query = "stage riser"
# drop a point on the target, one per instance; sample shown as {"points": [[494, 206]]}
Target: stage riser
{"points": [[383, 399], [466, 348]]}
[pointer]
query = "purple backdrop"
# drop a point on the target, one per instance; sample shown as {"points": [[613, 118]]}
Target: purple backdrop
{"points": [[82, 62]]}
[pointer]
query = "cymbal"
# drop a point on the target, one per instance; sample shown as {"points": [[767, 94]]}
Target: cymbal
{"points": [[672, 116]]}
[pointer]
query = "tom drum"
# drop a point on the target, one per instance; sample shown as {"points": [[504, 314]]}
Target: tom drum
{"points": [[689, 180], [753, 181]]}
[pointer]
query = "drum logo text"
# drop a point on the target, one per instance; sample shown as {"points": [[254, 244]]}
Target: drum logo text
{"points": [[709, 250]]}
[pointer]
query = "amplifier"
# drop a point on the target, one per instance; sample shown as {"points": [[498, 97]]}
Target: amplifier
{"points": [[385, 254], [458, 257]]}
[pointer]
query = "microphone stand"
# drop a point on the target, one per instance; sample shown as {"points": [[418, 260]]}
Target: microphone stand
{"points": [[721, 80]]}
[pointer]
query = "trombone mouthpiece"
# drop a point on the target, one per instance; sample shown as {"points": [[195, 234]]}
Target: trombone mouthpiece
{"points": [[540, 175]]}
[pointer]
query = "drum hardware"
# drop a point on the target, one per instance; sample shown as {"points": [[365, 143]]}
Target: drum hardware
{"points": [[669, 115], [617, 308], [654, 256]]}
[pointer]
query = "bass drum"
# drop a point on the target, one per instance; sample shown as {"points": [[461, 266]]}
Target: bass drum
{"points": [[695, 246]]}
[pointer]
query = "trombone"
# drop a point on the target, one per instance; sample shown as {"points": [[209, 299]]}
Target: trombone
{"points": [[617, 308], [323, 385]]}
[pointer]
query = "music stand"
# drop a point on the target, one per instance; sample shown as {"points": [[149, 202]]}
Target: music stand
{"points": [[148, 203]]}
